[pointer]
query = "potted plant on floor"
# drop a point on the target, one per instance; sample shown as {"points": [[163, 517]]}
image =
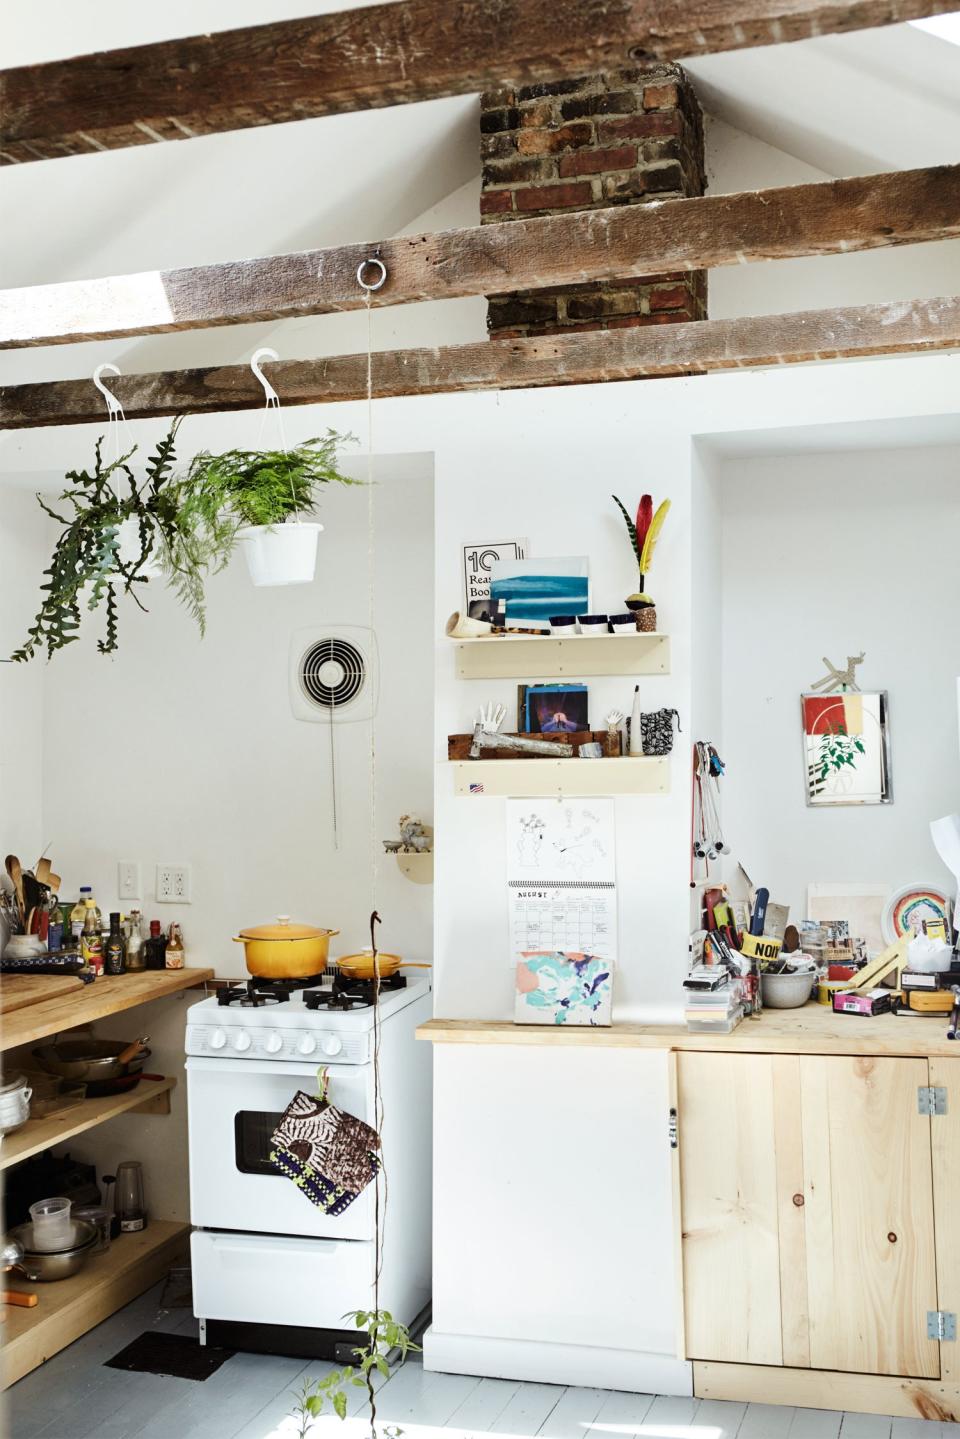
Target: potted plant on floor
{"points": [[644, 533], [258, 498]]}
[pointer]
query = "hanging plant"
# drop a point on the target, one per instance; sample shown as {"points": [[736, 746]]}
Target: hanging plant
{"points": [[188, 527], [87, 568], [224, 497]]}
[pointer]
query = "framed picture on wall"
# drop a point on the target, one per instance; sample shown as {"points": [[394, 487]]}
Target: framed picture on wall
{"points": [[846, 748]]}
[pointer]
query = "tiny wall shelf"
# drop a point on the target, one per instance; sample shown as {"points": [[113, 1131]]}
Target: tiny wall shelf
{"points": [[546, 657], [560, 777]]}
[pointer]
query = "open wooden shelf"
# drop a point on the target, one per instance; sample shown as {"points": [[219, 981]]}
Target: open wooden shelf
{"points": [[545, 657], [26, 1022], [557, 777], [70, 1307], [149, 1097]]}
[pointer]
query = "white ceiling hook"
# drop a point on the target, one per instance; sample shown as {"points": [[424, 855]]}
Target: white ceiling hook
{"points": [[270, 393], [114, 407]]}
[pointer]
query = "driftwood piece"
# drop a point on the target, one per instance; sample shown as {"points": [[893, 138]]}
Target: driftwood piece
{"points": [[458, 745]]}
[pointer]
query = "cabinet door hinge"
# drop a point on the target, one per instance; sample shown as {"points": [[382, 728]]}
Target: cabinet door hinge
{"points": [[672, 1129], [931, 1099], [941, 1324]]}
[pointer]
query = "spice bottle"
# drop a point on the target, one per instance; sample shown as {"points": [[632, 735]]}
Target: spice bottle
{"points": [[175, 956], [115, 951], [155, 948], [91, 944], [135, 955], [79, 913]]}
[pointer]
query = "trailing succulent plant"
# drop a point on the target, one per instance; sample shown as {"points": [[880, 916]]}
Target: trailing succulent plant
{"points": [[187, 526], [644, 533], [87, 568]]}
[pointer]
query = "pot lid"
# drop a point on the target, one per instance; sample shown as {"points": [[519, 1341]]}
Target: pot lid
{"points": [[283, 929], [9, 1085]]}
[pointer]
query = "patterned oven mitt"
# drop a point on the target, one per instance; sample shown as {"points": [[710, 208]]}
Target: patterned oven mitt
{"points": [[331, 1156]]}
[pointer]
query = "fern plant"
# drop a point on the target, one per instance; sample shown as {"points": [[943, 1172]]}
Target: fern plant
{"points": [[87, 568]]}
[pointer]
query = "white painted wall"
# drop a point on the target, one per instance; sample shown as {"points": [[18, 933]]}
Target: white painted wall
{"points": [[23, 528], [831, 554]]}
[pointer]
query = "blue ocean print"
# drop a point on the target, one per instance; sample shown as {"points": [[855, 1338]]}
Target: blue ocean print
{"points": [[534, 598]]}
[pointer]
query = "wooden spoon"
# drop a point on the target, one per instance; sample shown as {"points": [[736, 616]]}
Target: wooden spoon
{"points": [[132, 1050]]}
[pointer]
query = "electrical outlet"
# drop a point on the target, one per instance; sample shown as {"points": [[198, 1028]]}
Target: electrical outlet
{"points": [[128, 880], [173, 884]]}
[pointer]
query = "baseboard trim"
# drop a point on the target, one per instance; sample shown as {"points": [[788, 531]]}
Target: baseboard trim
{"points": [[828, 1389], [545, 1363]]}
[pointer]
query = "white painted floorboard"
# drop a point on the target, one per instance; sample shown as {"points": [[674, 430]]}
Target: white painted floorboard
{"points": [[74, 1396]]}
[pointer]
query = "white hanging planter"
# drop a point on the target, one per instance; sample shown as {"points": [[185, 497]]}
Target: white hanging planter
{"points": [[280, 554], [128, 539]]}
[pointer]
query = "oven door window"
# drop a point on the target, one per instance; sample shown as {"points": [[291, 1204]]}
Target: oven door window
{"points": [[252, 1129]]}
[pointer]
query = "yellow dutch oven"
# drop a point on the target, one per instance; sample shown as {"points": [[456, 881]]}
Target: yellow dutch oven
{"points": [[284, 950]]}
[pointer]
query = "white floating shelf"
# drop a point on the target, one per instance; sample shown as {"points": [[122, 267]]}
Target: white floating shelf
{"points": [[558, 777], [545, 657]]}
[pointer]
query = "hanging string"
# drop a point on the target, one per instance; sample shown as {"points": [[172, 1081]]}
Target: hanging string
{"points": [[115, 414], [271, 406]]}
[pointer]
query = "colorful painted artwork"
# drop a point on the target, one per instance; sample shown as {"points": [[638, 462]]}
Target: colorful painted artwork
{"points": [[535, 590], [556, 987], [845, 748], [908, 909]]}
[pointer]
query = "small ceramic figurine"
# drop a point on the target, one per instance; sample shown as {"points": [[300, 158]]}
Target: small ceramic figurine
{"points": [[413, 835], [613, 742]]}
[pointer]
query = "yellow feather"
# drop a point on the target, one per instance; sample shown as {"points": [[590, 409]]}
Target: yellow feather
{"points": [[650, 543]]}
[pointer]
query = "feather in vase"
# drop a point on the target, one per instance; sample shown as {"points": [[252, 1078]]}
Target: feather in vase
{"points": [[644, 519], [653, 534]]}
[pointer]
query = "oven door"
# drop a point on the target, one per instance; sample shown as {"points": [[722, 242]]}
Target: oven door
{"points": [[234, 1105]]}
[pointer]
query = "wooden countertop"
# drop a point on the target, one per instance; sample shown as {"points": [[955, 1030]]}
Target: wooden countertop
{"points": [[813, 1029], [49, 1010]]}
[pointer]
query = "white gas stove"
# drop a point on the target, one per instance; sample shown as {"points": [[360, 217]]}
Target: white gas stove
{"points": [[263, 1254]]}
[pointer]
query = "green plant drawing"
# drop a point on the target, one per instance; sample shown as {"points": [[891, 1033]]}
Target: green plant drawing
{"points": [[383, 1335], [837, 751]]}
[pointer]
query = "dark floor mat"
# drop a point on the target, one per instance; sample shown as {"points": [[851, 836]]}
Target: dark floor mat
{"points": [[174, 1354]]}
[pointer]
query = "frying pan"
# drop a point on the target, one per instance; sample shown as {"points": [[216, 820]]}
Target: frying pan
{"points": [[93, 1061]]}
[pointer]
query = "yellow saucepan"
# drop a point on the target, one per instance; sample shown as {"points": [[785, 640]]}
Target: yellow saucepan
{"points": [[360, 966], [284, 950]]}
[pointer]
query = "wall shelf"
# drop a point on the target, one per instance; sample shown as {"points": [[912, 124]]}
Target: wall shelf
{"points": [[70, 1307], [149, 1097], [545, 657], [561, 777]]}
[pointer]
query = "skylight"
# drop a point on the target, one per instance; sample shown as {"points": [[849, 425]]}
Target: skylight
{"points": [[945, 27]]}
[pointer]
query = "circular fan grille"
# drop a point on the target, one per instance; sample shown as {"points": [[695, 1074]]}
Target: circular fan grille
{"points": [[332, 673]]}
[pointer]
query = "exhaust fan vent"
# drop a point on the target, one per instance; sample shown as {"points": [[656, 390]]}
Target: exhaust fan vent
{"points": [[334, 675]]}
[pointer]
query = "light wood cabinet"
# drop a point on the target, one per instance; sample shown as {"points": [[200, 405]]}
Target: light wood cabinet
{"points": [[809, 1224]]}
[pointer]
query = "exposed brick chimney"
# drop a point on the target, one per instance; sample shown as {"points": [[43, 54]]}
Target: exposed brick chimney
{"points": [[620, 139]]}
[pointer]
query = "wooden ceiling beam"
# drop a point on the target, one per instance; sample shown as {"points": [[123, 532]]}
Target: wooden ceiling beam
{"points": [[831, 217], [387, 54], [900, 327]]}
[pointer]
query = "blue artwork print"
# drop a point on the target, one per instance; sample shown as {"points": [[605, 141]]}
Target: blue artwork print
{"points": [[555, 987]]}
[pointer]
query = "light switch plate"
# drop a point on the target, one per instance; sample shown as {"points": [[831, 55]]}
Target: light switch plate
{"points": [[128, 880]]}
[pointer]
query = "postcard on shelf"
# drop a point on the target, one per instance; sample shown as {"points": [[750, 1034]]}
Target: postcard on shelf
{"points": [[555, 709], [534, 591], [478, 561]]}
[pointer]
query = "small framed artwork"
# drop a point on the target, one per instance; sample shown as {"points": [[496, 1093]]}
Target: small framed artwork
{"points": [[846, 749], [560, 987], [556, 709]]}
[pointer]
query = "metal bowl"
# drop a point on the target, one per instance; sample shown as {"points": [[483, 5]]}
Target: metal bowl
{"points": [[89, 1061], [787, 991], [47, 1265]]}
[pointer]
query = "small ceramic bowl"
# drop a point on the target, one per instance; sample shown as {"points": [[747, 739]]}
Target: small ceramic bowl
{"points": [[787, 991], [593, 624], [623, 624], [563, 624]]}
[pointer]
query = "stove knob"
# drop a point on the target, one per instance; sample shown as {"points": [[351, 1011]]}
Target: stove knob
{"points": [[273, 1042], [241, 1040], [218, 1039], [307, 1044], [332, 1044]]}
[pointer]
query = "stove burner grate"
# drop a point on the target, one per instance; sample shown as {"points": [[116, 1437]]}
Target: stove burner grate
{"points": [[349, 994], [258, 992]]}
